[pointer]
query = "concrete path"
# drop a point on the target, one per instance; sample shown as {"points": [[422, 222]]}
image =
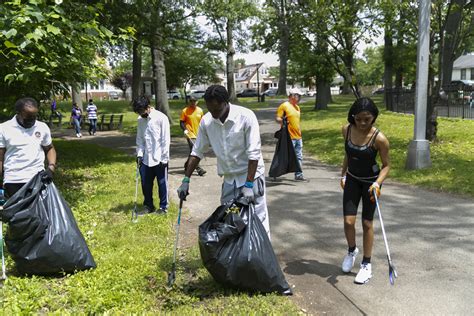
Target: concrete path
{"points": [[431, 236]]}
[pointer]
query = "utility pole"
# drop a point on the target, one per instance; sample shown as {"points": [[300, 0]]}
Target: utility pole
{"points": [[419, 148], [258, 84]]}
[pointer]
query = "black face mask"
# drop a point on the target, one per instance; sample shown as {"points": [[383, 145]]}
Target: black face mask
{"points": [[26, 123], [144, 115]]}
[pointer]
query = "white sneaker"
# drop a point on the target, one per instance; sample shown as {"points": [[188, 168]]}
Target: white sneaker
{"points": [[78, 135], [349, 259], [365, 273]]}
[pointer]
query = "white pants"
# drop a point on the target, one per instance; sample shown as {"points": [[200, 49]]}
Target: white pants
{"points": [[230, 191]]}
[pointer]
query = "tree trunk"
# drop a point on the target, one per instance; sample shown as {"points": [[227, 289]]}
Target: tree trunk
{"points": [[76, 95], [230, 61], [323, 94], [451, 41], [388, 68], [137, 69], [346, 87], [432, 100], [284, 47], [159, 76]]}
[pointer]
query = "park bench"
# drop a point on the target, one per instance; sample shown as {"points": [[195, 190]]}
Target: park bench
{"points": [[109, 122], [55, 120]]}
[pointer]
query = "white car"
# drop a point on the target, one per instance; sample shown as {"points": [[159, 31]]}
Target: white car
{"points": [[310, 93], [175, 95], [197, 94]]}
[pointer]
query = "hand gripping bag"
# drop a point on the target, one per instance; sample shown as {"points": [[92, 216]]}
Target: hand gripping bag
{"points": [[42, 235], [236, 251]]}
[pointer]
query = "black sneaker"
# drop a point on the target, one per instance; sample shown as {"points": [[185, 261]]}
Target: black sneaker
{"points": [[201, 172], [162, 211], [146, 210]]}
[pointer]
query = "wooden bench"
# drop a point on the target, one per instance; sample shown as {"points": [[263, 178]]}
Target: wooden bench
{"points": [[55, 120], [109, 122]]}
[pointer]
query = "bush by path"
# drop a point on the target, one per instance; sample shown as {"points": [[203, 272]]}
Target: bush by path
{"points": [[132, 259]]}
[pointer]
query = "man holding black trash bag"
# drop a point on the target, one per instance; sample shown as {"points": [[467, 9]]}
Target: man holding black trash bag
{"points": [[24, 144], [233, 133]]}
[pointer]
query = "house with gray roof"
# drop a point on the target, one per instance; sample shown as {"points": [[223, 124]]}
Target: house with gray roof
{"points": [[463, 68]]}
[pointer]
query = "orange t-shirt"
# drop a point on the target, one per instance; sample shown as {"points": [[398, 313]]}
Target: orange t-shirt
{"points": [[191, 118], [292, 113]]}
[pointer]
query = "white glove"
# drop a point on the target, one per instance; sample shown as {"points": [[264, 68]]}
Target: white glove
{"points": [[248, 194]]}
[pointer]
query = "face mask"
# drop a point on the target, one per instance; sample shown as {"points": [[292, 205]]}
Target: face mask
{"points": [[144, 115], [27, 123]]}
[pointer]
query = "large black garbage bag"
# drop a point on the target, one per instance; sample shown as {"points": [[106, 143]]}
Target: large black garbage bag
{"points": [[42, 235], [284, 160], [236, 251]]}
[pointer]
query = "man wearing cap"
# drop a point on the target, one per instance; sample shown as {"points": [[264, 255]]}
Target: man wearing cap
{"points": [[189, 122], [291, 111]]}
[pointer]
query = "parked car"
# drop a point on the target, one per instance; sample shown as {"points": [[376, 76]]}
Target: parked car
{"points": [[378, 91], [173, 94], [247, 93], [197, 94], [270, 92], [310, 93], [114, 95]]}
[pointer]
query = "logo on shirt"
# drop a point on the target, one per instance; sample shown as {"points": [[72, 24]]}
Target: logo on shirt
{"points": [[38, 134]]}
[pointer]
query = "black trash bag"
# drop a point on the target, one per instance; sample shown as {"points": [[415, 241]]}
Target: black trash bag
{"points": [[236, 251], [284, 160], [42, 235]]}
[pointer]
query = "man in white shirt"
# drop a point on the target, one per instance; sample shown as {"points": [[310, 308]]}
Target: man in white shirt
{"points": [[153, 153], [234, 135], [24, 144]]}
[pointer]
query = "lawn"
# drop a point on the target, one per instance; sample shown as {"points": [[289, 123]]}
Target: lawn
{"points": [[451, 155], [132, 259]]}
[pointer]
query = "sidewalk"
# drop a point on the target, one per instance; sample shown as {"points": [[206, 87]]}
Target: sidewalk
{"points": [[430, 235]]}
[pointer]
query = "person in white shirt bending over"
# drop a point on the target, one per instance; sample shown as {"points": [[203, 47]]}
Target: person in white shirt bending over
{"points": [[24, 144], [153, 153], [234, 135]]}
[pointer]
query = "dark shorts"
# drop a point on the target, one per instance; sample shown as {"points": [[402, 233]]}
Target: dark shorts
{"points": [[354, 191]]}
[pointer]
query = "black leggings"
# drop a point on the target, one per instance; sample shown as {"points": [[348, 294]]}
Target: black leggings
{"points": [[354, 190], [12, 188]]}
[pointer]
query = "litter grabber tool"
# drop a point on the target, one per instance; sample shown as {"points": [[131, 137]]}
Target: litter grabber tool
{"points": [[392, 272], [172, 274], [135, 207]]}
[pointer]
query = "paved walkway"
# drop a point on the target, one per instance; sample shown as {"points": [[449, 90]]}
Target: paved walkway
{"points": [[431, 236]]}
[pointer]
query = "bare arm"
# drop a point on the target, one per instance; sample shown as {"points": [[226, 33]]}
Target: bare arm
{"points": [[252, 169], [383, 146], [50, 156], [2, 157], [344, 163], [193, 162]]}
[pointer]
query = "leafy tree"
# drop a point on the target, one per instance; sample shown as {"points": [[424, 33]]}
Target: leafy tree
{"points": [[272, 33], [187, 64], [370, 68], [36, 58], [228, 18], [122, 81]]}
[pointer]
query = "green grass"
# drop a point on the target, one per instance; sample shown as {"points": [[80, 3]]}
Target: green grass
{"points": [[132, 259], [452, 168]]}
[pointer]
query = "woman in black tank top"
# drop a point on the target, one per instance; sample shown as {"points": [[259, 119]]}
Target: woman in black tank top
{"points": [[360, 176]]}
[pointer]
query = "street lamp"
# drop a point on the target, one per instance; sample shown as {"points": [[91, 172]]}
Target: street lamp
{"points": [[419, 148]]}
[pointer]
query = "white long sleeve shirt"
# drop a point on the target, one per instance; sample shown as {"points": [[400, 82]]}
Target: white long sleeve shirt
{"points": [[153, 138], [234, 142]]}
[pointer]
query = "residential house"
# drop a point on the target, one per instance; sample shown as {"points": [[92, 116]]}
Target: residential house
{"points": [[463, 68]]}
